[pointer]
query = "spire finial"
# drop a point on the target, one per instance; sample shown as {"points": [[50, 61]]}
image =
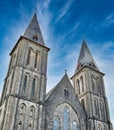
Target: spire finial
{"points": [[65, 71], [35, 9]]}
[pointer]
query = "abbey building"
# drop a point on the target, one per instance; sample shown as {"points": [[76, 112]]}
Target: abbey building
{"points": [[24, 105]]}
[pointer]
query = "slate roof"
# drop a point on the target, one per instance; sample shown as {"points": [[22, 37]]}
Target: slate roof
{"points": [[65, 77], [85, 58], [33, 31]]}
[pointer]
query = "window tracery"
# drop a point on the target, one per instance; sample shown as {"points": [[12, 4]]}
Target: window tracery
{"points": [[74, 125], [66, 119], [56, 123]]}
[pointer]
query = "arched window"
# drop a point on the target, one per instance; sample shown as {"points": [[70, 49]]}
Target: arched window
{"points": [[33, 86], [96, 107], [56, 123], [82, 84], [74, 125], [98, 87], [28, 56], [102, 109], [66, 119], [22, 113], [83, 103], [25, 83], [36, 60], [93, 82], [31, 117], [32, 111], [78, 86]]}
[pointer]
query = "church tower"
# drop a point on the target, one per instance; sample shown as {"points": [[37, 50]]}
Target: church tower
{"points": [[89, 87], [24, 91]]}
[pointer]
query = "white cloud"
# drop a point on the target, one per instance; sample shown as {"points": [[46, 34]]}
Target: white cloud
{"points": [[109, 20], [64, 10]]}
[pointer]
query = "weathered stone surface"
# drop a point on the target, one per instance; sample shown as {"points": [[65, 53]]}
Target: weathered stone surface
{"points": [[24, 104]]}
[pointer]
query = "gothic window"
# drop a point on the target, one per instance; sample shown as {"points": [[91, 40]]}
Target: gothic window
{"points": [[28, 57], [82, 84], [78, 86], [32, 111], [66, 119], [102, 109], [31, 117], [96, 107], [93, 82], [98, 85], [83, 103], [22, 113], [25, 83], [33, 86], [74, 125], [66, 93], [56, 123], [36, 60]]}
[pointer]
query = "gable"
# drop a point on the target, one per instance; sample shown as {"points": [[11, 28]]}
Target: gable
{"points": [[63, 92]]}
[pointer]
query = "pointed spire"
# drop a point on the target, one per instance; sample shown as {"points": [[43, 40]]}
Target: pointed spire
{"points": [[33, 31], [85, 58]]}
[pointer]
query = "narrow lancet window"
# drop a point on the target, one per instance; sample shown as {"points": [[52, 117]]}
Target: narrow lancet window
{"points": [[66, 119], [78, 86], [83, 103], [82, 84], [96, 107], [25, 83], [31, 117], [28, 58], [22, 113], [56, 123], [36, 60], [33, 86]]}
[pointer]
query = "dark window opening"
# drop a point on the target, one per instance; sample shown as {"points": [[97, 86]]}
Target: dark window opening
{"points": [[66, 93]]}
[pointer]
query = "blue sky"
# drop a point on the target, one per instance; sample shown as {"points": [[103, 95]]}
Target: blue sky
{"points": [[64, 24]]}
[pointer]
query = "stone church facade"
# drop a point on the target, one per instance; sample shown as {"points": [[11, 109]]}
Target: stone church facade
{"points": [[77, 105]]}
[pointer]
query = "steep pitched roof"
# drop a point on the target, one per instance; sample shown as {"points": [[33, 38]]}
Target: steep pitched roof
{"points": [[63, 80], [33, 31], [85, 58]]}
